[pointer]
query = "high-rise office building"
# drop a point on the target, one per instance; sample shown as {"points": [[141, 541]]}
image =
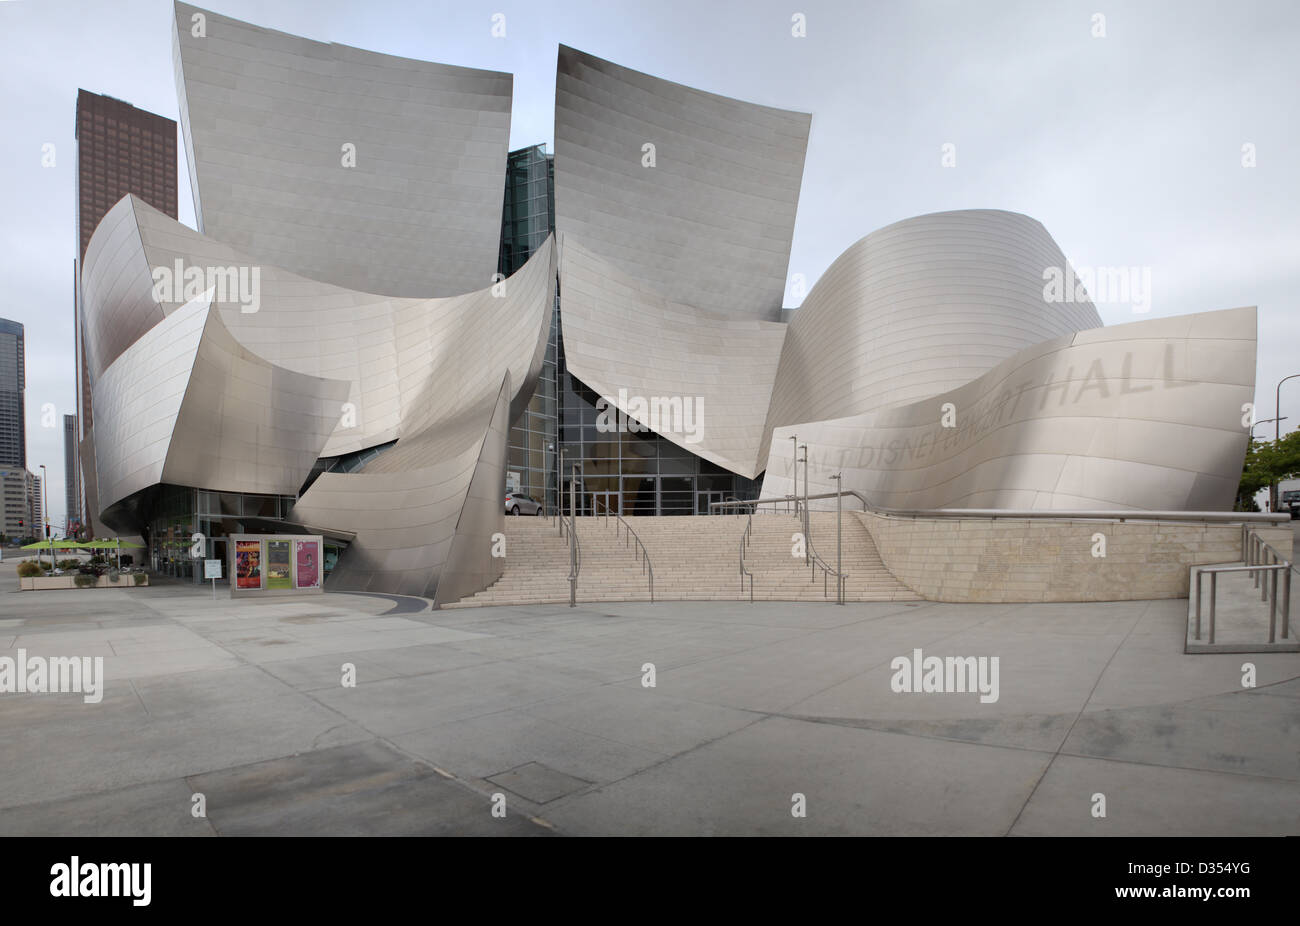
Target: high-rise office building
{"points": [[120, 150], [35, 506], [71, 476], [13, 382]]}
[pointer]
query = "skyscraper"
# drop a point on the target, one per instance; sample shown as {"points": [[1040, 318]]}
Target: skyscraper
{"points": [[13, 382], [71, 476], [120, 150], [35, 506]]}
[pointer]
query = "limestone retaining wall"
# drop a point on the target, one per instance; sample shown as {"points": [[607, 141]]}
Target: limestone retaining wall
{"points": [[1006, 560]]}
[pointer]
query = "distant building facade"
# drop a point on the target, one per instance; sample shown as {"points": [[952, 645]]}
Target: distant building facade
{"points": [[120, 150], [13, 384]]}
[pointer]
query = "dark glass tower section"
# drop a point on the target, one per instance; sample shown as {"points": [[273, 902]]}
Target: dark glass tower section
{"points": [[527, 219]]}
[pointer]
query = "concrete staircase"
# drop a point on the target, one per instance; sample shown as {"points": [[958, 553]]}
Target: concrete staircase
{"points": [[694, 558]]}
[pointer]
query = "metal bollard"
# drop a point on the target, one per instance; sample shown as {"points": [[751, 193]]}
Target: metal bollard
{"points": [[1272, 611], [1286, 602]]}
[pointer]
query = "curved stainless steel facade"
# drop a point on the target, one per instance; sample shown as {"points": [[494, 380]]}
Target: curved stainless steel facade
{"points": [[326, 307], [918, 308], [266, 117], [186, 404], [620, 335], [1146, 415], [709, 224], [442, 377], [470, 370]]}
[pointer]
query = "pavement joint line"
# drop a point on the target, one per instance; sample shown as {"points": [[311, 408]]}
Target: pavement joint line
{"points": [[1137, 619], [601, 786], [138, 697], [877, 665], [1182, 768]]}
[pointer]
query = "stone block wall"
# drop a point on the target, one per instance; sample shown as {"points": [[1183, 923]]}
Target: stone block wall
{"points": [[1010, 560]]}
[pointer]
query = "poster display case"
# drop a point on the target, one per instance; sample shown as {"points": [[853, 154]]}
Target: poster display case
{"points": [[276, 564]]}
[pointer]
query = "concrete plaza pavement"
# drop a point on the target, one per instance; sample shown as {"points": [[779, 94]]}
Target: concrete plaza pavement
{"points": [[242, 702]]}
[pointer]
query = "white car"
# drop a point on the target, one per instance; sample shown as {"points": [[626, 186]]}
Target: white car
{"points": [[518, 504]]}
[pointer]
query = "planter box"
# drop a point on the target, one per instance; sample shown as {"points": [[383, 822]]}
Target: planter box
{"points": [[36, 583]]}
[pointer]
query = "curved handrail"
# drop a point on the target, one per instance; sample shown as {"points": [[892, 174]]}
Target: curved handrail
{"points": [[577, 547], [641, 553], [816, 562], [744, 543]]}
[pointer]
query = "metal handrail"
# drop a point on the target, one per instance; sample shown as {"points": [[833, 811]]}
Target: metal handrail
{"points": [[647, 568], [1214, 517], [811, 556], [576, 568], [1284, 568], [744, 544], [817, 562]]}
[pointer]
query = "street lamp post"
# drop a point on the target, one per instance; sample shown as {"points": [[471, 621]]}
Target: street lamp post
{"points": [[806, 516], [1277, 433]]}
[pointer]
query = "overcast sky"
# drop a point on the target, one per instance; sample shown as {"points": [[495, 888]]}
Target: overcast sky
{"points": [[1128, 147]]}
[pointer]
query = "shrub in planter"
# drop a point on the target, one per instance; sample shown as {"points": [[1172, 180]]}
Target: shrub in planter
{"points": [[139, 578], [69, 563], [113, 574], [27, 569], [83, 581]]}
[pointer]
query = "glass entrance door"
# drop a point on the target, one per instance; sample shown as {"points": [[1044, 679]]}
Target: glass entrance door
{"points": [[676, 495], [600, 503]]}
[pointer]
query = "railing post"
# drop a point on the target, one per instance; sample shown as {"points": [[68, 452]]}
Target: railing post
{"points": [[1199, 573], [1263, 576], [1214, 584], [573, 536], [1272, 609], [1285, 605]]}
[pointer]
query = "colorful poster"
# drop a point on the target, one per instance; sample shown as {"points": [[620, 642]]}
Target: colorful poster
{"points": [[248, 563], [308, 557], [277, 564]]}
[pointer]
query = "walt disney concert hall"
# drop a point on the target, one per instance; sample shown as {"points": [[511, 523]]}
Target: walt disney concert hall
{"points": [[386, 319]]}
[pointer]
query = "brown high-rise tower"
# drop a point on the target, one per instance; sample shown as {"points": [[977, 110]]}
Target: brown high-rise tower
{"points": [[120, 150]]}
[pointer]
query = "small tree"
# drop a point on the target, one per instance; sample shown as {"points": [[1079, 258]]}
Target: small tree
{"points": [[1267, 462]]}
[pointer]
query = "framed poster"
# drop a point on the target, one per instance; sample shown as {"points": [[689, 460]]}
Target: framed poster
{"points": [[277, 564], [307, 558], [248, 563]]}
